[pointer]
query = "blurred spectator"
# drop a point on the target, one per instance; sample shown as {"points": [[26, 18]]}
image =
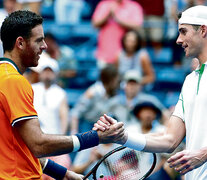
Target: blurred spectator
{"points": [[8, 7], [122, 104], [146, 114], [65, 57], [32, 5], [94, 102], [133, 56], [68, 11], [85, 160], [153, 21], [52, 109], [114, 18], [200, 2], [51, 105]]}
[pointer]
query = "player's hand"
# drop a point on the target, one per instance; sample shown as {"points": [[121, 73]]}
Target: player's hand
{"points": [[186, 161], [104, 123], [115, 134], [70, 175]]}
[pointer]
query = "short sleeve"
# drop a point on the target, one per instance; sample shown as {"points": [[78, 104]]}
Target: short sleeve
{"points": [[179, 109], [19, 98]]}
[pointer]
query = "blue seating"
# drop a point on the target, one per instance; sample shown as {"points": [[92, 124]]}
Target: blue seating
{"points": [[169, 78], [163, 56], [171, 98], [73, 95], [47, 10]]}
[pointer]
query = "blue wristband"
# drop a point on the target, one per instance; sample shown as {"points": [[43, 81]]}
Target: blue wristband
{"points": [[54, 170], [88, 139]]}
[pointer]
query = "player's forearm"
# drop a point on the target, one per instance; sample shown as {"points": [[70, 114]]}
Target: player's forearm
{"points": [[50, 145], [156, 142], [160, 142]]}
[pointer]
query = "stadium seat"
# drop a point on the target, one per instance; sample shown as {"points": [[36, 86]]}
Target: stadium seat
{"points": [[163, 56]]}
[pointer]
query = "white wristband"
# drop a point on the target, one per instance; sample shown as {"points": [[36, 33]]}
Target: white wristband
{"points": [[136, 141], [76, 143], [46, 161]]}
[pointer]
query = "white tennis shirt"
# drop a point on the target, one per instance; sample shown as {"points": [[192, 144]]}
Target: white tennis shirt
{"points": [[192, 109], [47, 103]]}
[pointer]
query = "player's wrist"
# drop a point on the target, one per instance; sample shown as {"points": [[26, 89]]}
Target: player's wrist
{"points": [[85, 140], [135, 141], [54, 170]]}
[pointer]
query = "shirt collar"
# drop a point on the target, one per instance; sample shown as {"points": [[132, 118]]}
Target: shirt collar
{"points": [[9, 61]]}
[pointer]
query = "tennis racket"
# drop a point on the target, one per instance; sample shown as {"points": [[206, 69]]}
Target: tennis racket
{"points": [[123, 163]]}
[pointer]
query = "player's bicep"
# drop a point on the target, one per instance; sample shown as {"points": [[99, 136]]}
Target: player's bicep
{"points": [[31, 133], [176, 129]]}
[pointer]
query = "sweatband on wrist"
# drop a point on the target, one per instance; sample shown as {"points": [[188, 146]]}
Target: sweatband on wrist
{"points": [[46, 161], [76, 143], [136, 141], [54, 170], [88, 139]]}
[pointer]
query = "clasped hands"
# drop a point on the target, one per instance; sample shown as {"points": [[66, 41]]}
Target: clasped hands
{"points": [[110, 131]]}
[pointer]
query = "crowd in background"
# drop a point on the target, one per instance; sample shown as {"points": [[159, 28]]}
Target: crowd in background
{"points": [[117, 57]]}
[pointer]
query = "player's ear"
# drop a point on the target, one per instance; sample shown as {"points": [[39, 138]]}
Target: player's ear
{"points": [[20, 42], [204, 31]]}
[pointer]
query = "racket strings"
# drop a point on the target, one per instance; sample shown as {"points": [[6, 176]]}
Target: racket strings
{"points": [[123, 166]]}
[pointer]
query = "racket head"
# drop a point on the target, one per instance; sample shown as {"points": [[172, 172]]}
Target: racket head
{"points": [[124, 163]]}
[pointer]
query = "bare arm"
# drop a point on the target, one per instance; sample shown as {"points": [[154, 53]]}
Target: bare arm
{"points": [[168, 141], [99, 22], [148, 70], [64, 109], [155, 142], [42, 145], [126, 25]]}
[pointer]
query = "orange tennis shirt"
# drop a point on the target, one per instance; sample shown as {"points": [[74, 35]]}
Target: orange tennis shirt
{"points": [[16, 104]]}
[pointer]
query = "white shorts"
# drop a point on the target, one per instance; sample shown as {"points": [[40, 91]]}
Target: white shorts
{"points": [[28, 1]]}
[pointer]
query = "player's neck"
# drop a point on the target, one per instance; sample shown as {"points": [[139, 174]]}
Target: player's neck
{"points": [[15, 59]]}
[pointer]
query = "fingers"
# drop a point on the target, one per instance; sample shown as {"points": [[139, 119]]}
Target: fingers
{"points": [[109, 119], [180, 163], [118, 125], [175, 157], [100, 126], [104, 123], [183, 168]]}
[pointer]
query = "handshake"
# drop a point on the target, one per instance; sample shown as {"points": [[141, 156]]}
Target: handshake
{"points": [[110, 131]]}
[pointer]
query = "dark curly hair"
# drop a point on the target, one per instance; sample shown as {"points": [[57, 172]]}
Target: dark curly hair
{"points": [[18, 23]]}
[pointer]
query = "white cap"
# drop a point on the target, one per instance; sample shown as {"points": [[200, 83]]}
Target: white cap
{"points": [[46, 62], [133, 75], [196, 15]]}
